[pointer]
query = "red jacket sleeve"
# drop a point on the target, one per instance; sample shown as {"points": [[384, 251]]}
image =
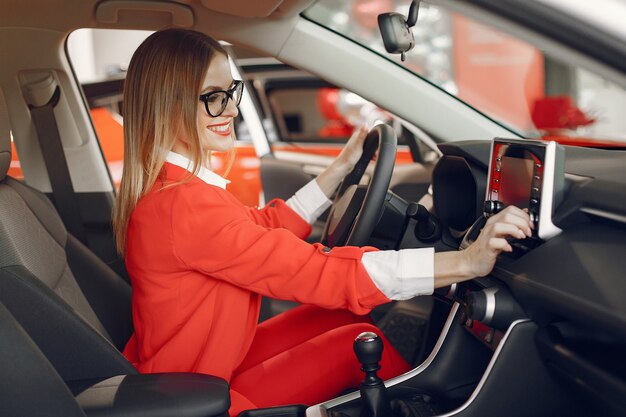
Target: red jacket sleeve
{"points": [[277, 214], [216, 237]]}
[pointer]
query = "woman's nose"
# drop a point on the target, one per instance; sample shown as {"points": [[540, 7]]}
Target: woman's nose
{"points": [[231, 109]]}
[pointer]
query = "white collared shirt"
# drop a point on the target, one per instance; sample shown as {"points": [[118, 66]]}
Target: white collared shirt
{"points": [[204, 174], [399, 275]]}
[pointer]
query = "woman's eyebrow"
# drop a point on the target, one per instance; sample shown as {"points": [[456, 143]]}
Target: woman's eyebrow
{"points": [[210, 88]]}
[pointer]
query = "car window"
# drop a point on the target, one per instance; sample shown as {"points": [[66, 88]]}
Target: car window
{"points": [[314, 114], [15, 168], [100, 58], [308, 114], [301, 108], [504, 77]]}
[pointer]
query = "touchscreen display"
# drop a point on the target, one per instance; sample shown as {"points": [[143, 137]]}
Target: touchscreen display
{"points": [[516, 178], [527, 174]]}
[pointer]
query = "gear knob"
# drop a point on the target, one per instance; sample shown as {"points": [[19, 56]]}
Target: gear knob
{"points": [[369, 349]]}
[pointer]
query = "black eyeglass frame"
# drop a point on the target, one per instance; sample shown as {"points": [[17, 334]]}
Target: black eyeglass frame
{"points": [[229, 94]]}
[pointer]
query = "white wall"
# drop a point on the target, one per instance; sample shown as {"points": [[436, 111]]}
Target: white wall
{"points": [[80, 49], [99, 53]]}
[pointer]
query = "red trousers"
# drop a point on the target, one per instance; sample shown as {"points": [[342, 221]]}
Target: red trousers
{"points": [[305, 356]]}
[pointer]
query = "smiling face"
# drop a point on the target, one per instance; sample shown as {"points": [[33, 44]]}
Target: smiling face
{"points": [[215, 133]]}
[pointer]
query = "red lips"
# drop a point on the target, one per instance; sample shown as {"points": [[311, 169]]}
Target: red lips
{"points": [[226, 132]]}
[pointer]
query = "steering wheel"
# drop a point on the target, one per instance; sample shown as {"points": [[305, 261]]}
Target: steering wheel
{"points": [[356, 208]]}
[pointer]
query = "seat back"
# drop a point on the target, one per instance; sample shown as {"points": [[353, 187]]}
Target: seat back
{"points": [[75, 308]]}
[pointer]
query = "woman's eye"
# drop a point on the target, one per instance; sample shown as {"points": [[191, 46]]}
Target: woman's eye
{"points": [[214, 98]]}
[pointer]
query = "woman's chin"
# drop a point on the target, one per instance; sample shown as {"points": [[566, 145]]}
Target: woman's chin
{"points": [[220, 144]]}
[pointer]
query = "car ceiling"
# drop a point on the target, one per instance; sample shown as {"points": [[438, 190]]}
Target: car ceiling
{"points": [[65, 15], [262, 25], [284, 34], [38, 28]]}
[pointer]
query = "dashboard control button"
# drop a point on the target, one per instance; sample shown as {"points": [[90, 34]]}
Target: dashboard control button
{"points": [[493, 306], [493, 206]]}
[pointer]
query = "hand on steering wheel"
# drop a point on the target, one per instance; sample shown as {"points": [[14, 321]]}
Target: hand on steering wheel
{"points": [[352, 152], [356, 209]]}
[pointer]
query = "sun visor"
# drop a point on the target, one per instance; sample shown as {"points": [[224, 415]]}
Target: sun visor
{"points": [[144, 13], [250, 8]]}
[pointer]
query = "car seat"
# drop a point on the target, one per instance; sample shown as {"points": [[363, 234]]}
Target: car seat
{"points": [[77, 311]]}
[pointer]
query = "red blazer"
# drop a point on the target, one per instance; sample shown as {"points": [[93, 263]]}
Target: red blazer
{"points": [[199, 262]]}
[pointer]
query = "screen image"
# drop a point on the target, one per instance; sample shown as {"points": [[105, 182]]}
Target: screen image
{"points": [[516, 179]]}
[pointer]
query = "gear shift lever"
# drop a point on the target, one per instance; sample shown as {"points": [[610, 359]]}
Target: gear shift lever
{"points": [[369, 348]]}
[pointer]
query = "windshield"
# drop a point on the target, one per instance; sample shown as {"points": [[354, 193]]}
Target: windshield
{"points": [[506, 78]]}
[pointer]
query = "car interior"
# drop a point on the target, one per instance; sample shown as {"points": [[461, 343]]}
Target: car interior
{"points": [[544, 334]]}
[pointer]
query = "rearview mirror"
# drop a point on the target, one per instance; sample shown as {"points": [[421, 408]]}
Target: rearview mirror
{"points": [[396, 30]]}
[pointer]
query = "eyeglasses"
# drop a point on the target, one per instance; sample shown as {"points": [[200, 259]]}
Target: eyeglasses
{"points": [[215, 102]]}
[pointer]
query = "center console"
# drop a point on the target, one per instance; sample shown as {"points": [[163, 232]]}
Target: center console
{"points": [[468, 375]]}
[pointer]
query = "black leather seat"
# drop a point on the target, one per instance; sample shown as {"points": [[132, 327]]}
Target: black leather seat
{"points": [[77, 311]]}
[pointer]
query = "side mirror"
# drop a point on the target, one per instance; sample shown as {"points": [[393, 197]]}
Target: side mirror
{"points": [[396, 30]]}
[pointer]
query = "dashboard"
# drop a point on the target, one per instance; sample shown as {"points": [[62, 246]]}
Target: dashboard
{"points": [[585, 261], [545, 332], [572, 280]]}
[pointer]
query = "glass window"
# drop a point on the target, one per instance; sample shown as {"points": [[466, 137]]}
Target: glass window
{"points": [[100, 59], [309, 114], [305, 113], [508, 79], [15, 168]]}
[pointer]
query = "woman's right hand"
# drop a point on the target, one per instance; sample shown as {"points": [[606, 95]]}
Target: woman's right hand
{"points": [[480, 256]]}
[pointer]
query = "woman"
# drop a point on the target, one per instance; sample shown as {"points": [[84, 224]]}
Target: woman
{"points": [[200, 261]]}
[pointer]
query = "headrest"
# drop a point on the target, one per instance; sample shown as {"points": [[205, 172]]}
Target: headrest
{"points": [[5, 138]]}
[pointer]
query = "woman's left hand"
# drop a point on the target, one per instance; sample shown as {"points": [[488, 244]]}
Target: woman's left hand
{"points": [[351, 152], [344, 163]]}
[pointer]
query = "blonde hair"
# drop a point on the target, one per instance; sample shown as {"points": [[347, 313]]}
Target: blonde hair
{"points": [[161, 93]]}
